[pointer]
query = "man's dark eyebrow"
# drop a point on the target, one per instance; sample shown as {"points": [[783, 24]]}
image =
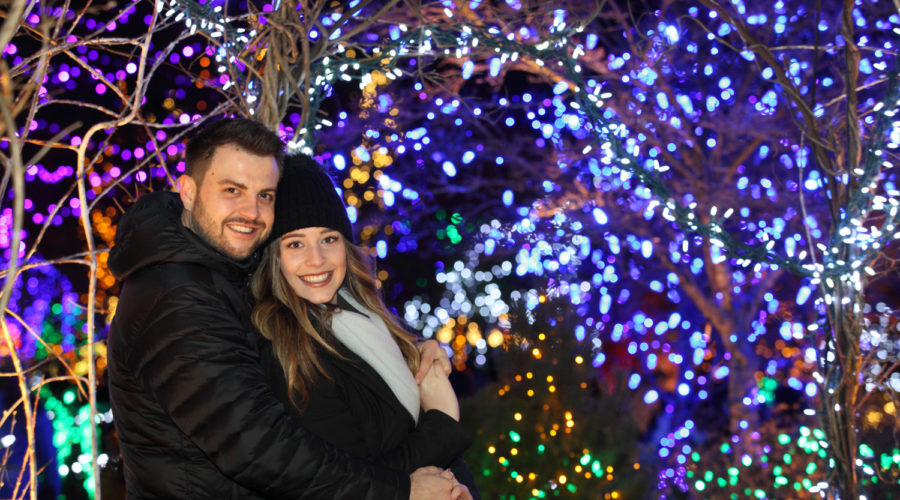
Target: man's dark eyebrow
{"points": [[233, 183], [229, 182]]}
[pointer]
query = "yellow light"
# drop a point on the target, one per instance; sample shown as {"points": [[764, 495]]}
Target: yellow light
{"points": [[637, 466], [514, 451], [570, 423], [542, 299], [552, 433], [501, 459], [520, 478], [491, 450], [517, 416], [529, 375], [578, 468], [552, 388], [549, 378], [562, 479], [568, 415], [615, 494], [890, 408], [579, 360], [445, 334], [536, 353], [541, 336], [532, 476], [609, 469], [530, 393], [495, 338]]}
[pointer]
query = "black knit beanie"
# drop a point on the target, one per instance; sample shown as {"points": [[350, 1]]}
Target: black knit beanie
{"points": [[306, 197]]}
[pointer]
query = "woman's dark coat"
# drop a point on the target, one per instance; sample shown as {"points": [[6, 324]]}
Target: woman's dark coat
{"points": [[358, 412]]}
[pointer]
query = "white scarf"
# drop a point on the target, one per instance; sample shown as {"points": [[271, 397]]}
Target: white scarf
{"points": [[366, 335]]}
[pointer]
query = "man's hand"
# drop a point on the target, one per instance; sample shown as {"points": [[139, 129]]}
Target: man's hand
{"points": [[431, 483], [460, 492], [436, 393], [430, 352]]}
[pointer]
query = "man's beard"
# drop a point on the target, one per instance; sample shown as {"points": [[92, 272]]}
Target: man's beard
{"points": [[193, 222]]}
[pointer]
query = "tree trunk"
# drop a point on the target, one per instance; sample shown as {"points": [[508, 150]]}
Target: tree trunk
{"points": [[837, 412]]}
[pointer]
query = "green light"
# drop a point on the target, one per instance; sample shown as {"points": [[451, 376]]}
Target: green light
{"points": [[725, 448], [585, 459], [811, 468], [514, 436], [513, 474], [695, 456], [866, 451], [56, 308], [732, 471], [746, 460], [700, 485], [784, 439], [708, 476], [596, 468], [777, 470], [541, 449], [456, 218], [818, 434], [780, 481], [68, 397], [571, 487], [787, 458], [453, 234]]}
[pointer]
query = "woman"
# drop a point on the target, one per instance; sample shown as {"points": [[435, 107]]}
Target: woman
{"points": [[344, 361]]}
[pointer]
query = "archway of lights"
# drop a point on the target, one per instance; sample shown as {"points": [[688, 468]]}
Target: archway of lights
{"points": [[517, 171]]}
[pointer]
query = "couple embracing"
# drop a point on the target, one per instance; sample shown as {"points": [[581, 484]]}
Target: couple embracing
{"points": [[251, 355]]}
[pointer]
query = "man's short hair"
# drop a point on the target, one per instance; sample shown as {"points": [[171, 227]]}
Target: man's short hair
{"points": [[249, 135]]}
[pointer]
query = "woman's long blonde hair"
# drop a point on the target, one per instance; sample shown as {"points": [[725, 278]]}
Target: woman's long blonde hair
{"points": [[298, 329]]}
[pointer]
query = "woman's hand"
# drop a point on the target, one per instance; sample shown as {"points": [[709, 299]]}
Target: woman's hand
{"points": [[436, 393]]}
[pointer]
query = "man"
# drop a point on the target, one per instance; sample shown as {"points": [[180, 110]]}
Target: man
{"points": [[193, 413]]}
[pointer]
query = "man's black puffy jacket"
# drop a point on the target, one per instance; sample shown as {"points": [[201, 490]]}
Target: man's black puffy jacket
{"points": [[194, 414]]}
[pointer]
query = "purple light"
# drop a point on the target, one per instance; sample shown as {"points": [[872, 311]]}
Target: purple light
{"points": [[131, 68], [187, 51], [141, 176], [115, 172], [100, 89]]}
